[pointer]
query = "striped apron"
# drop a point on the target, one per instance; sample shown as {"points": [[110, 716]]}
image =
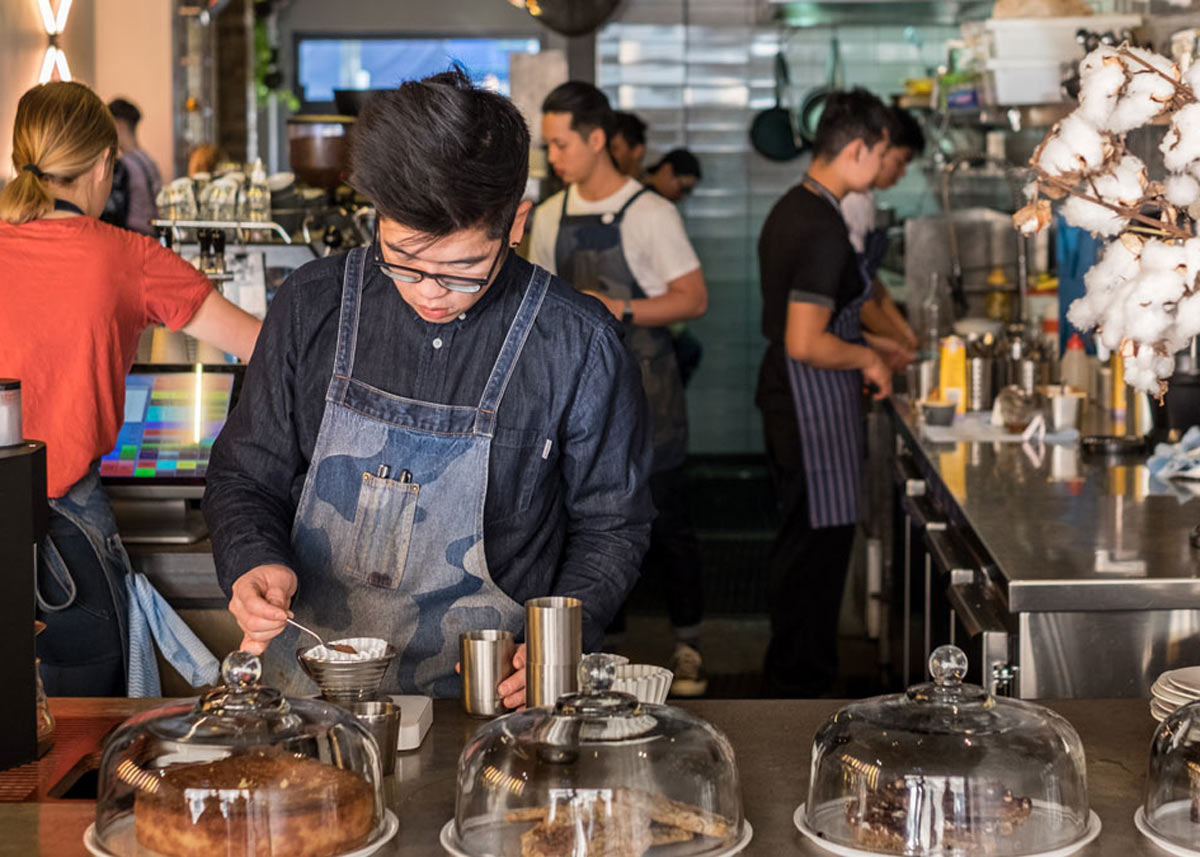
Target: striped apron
{"points": [[828, 405]]}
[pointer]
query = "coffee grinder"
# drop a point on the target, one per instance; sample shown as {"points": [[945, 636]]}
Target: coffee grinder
{"points": [[23, 520]]}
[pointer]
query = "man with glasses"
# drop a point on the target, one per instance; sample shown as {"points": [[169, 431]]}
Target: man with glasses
{"points": [[432, 430], [612, 238]]}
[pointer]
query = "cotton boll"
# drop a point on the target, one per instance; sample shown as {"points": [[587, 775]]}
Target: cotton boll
{"points": [[1181, 190], [1157, 288], [1192, 76], [1124, 184], [1161, 256], [1085, 312], [1073, 146], [1181, 144], [1164, 366], [1092, 217], [1146, 323], [1145, 94], [1191, 258], [1101, 78]]}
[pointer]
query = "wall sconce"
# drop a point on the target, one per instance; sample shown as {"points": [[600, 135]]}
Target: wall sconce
{"points": [[54, 23]]}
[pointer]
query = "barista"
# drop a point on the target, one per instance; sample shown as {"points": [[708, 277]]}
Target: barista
{"points": [[817, 361], [78, 294], [614, 239], [880, 314], [432, 430]]}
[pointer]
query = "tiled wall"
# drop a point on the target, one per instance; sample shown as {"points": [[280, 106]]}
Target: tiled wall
{"points": [[698, 84]]}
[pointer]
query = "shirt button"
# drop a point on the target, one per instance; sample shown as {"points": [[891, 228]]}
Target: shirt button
{"points": [[437, 343]]}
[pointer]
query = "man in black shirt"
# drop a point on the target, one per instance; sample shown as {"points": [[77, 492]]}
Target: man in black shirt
{"points": [[432, 430], [810, 385]]}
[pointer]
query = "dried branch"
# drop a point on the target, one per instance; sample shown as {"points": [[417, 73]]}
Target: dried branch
{"points": [[1182, 90], [1131, 213]]}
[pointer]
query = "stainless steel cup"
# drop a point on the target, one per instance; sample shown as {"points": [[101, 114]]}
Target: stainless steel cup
{"points": [[1064, 411], [554, 638], [382, 719], [554, 631], [486, 658], [979, 384]]}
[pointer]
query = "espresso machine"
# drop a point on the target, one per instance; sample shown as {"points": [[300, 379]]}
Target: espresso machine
{"points": [[23, 520]]}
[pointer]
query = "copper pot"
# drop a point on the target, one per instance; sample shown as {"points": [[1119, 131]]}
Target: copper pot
{"points": [[319, 149]]}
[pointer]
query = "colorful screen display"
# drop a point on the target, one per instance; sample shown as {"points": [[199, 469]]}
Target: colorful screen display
{"points": [[171, 421]]}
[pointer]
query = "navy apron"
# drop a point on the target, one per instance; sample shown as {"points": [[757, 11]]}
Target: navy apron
{"points": [[828, 404], [588, 255], [388, 535]]}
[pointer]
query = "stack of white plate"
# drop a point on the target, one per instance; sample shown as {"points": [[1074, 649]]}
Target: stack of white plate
{"points": [[1173, 689]]}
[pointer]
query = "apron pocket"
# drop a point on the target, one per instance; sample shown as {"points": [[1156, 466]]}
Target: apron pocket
{"points": [[383, 525]]}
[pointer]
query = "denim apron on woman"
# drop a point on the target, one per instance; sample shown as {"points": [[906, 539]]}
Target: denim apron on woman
{"points": [[828, 405], [388, 535]]}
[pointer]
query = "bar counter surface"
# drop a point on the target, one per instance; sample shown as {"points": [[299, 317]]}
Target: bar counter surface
{"points": [[771, 739]]}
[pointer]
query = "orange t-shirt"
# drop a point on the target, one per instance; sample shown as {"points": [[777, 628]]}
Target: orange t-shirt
{"points": [[75, 295]]}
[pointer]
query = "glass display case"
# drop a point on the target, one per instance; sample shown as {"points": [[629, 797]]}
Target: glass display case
{"points": [[1170, 815], [241, 771], [947, 768], [597, 774]]}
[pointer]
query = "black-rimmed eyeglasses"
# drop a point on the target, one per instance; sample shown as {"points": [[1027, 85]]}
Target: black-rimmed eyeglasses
{"points": [[411, 276]]}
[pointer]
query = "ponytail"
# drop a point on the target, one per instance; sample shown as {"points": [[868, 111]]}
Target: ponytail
{"points": [[61, 130]]}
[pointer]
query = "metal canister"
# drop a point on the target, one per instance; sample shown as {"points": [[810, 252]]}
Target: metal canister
{"points": [[11, 432], [979, 383]]}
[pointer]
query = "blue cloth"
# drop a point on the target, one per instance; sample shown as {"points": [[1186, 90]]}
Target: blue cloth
{"points": [[151, 620], [1076, 251]]}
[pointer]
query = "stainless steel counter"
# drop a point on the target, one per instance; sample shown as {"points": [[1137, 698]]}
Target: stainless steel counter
{"points": [[1075, 551], [1068, 532], [771, 740]]}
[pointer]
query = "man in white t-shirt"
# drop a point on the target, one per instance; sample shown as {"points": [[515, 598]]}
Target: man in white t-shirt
{"points": [[881, 315], [612, 238]]}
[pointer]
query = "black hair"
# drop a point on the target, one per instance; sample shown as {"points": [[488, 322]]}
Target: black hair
{"points": [[630, 127], [440, 155], [126, 111], [848, 116], [906, 131], [682, 161], [588, 106]]}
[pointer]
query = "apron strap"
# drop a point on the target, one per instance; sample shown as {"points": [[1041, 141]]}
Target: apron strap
{"points": [[347, 340], [514, 343], [619, 216]]}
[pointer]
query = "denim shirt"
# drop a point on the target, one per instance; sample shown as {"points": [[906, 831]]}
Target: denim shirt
{"points": [[568, 507]]}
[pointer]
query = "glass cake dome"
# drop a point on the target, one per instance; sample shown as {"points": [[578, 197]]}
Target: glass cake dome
{"points": [[1171, 810], [597, 774], [947, 768], [241, 771]]}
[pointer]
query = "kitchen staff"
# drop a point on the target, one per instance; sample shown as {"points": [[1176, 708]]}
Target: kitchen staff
{"points": [[612, 238], [880, 314], [432, 430], [810, 387], [77, 294]]}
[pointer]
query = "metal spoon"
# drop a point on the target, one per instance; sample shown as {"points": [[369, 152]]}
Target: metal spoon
{"points": [[336, 647]]}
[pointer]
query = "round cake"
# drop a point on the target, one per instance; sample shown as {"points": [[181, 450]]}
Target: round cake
{"points": [[261, 805]]}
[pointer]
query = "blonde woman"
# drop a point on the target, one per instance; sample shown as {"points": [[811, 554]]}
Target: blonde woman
{"points": [[77, 294]]}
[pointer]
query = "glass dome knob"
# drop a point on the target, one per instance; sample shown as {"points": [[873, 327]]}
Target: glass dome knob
{"points": [[597, 672], [948, 666], [241, 669]]}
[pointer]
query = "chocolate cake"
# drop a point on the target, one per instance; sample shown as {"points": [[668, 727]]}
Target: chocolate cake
{"points": [[259, 805], [889, 818]]}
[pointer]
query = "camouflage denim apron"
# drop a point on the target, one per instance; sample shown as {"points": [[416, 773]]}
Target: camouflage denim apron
{"points": [[388, 534]]}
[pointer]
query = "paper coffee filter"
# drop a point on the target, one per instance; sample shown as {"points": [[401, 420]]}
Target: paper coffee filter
{"points": [[367, 648]]}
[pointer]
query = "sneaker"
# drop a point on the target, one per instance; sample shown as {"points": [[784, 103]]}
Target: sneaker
{"points": [[688, 667]]}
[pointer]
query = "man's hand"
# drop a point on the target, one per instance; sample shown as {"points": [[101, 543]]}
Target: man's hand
{"points": [[877, 374], [260, 602]]}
